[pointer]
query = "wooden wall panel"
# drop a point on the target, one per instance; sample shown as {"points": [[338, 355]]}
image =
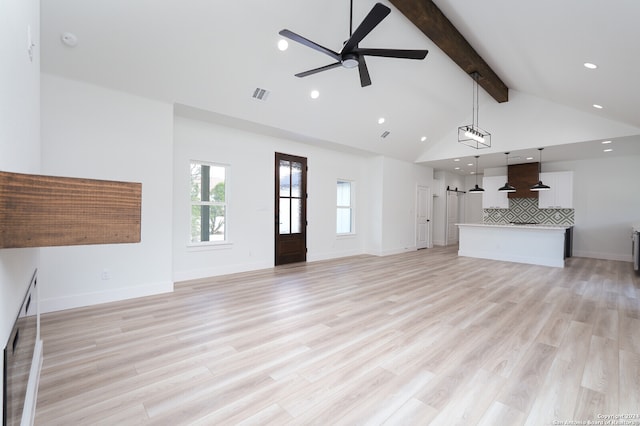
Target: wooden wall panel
{"points": [[41, 211], [523, 177]]}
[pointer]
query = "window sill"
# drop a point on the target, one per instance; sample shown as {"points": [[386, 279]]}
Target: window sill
{"points": [[349, 235], [222, 245]]}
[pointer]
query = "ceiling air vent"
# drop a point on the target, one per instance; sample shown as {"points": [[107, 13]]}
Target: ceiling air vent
{"points": [[260, 94], [385, 134]]}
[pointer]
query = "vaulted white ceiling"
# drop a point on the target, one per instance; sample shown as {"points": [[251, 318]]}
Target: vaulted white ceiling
{"points": [[211, 55]]}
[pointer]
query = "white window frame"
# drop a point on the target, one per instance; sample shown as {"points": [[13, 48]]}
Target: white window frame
{"points": [[210, 244], [351, 207]]}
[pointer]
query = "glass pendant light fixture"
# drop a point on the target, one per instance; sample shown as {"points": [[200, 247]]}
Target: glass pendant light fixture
{"points": [[540, 186], [507, 187], [476, 189]]}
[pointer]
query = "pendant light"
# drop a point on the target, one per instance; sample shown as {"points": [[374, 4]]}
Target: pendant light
{"points": [[540, 186], [471, 134], [507, 187], [476, 189]]}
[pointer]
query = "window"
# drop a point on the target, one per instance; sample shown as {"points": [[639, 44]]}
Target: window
{"points": [[344, 217], [208, 203]]}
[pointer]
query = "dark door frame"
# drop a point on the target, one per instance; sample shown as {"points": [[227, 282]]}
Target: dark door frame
{"points": [[290, 247]]}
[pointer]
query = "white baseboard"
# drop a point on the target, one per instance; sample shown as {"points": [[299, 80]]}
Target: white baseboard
{"points": [[333, 255], [197, 274], [603, 256], [95, 298], [392, 251], [398, 251]]}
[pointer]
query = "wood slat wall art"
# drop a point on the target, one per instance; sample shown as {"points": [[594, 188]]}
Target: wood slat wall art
{"points": [[42, 211], [523, 177]]}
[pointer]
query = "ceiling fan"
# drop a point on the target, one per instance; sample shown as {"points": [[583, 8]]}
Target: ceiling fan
{"points": [[351, 55]]}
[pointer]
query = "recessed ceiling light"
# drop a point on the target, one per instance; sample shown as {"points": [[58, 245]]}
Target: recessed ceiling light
{"points": [[597, 106], [529, 158], [315, 94], [422, 139], [469, 164], [606, 142], [608, 150], [473, 173], [380, 120], [456, 159], [283, 44], [456, 168], [590, 65]]}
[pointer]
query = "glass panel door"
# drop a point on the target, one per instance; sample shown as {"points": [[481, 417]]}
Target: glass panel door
{"points": [[291, 210]]}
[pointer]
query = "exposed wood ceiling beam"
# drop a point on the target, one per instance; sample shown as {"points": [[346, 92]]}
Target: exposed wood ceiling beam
{"points": [[432, 22]]}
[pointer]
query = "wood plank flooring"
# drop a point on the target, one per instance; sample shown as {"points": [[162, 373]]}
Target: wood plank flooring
{"points": [[424, 337]]}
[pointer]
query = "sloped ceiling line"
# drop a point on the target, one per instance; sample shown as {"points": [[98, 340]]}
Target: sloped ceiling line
{"points": [[429, 19]]}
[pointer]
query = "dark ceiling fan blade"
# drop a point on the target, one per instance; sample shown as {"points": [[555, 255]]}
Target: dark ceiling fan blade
{"points": [[365, 79], [393, 53], [296, 37], [375, 16], [316, 70]]}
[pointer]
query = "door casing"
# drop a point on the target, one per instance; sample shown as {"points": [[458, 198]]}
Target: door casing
{"points": [[291, 246]]}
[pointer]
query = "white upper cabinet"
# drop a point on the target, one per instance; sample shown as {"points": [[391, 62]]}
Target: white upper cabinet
{"points": [[560, 196], [491, 198]]}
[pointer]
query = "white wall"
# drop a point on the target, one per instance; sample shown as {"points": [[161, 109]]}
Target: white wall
{"points": [[373, 204], [92, 132], [19, 141], [250, 194], [399, 204], [384, 207], [606, 204]]}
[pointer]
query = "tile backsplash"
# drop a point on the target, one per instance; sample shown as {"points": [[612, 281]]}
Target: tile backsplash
{"points": [[526, 210]]}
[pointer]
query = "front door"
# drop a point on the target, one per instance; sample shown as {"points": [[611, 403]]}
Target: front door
{"points": [[290, 209]]}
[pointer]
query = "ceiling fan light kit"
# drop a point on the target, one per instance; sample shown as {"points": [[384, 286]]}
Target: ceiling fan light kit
{"points": [[351, 55], [471, 134]]}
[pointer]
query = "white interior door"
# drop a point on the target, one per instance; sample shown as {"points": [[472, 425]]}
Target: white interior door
{"points": [[423, 217]]}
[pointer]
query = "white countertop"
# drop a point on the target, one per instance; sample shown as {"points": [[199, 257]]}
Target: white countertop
{"points": [[513, 225]]}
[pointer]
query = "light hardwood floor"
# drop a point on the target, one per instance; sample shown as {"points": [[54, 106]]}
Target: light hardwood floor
{"points": [[424, 337]]}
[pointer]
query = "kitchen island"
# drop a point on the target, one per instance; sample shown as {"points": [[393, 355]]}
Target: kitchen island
{"points": [[533, 244]]}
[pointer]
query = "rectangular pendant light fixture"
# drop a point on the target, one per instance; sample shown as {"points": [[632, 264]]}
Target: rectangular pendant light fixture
{"points": [[471, 134]]}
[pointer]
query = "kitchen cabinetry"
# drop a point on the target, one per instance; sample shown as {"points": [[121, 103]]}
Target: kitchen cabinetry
{"points": [[560, 196], [535, 245], [491, 198]]}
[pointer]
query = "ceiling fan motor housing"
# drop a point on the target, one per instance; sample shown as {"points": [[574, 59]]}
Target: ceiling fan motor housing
{"points": [[349, 60]]}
